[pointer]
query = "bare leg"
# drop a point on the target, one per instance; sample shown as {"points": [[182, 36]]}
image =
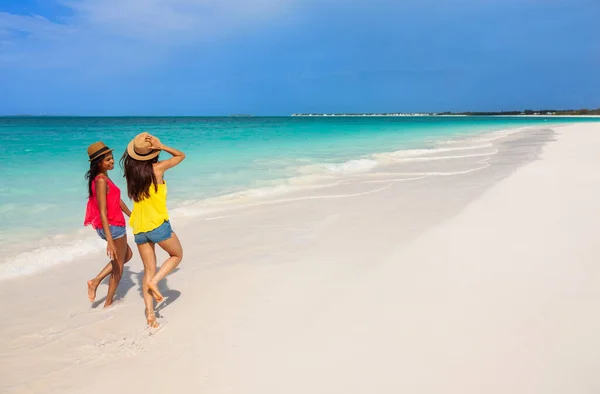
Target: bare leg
{"points": [[117, 269], [148, 256], [173, 247], [94, 283]]}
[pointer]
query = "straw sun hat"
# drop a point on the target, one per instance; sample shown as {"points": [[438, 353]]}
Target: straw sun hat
{"points": [[139, 148], [98, 149]]}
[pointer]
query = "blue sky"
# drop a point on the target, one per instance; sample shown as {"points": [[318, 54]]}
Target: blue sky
{"points": [[276, 57]]}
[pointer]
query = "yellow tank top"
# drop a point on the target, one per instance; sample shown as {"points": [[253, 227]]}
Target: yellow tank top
{"points": [[151, 212]]}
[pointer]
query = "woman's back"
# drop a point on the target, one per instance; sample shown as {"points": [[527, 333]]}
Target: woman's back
{"points": [[150, 212]]}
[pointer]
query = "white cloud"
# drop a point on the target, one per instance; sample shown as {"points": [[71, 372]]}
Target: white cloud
{"points": [[155, 18], [27, 26], [98, 28]]}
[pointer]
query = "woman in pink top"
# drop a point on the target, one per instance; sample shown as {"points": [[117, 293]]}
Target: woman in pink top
{"points": [[105, 213]]}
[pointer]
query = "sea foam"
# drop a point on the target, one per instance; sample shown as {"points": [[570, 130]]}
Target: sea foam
{"points": [[42, 258]]}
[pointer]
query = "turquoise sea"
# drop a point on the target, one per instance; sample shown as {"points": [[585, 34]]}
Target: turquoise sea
{"points": [[43, 162]]}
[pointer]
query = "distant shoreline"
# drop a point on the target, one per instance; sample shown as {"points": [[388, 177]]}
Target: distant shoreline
{"points": [[438, 115]]}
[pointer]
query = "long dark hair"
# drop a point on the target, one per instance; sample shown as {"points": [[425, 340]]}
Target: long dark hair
{"points": [[94, 171], [139, 176]]}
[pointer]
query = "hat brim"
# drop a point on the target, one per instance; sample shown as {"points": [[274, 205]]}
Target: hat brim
{"points": [[95, 156], [131, 152]]}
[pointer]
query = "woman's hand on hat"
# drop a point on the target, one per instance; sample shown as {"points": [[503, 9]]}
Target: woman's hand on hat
{"points": [[155, 143]]}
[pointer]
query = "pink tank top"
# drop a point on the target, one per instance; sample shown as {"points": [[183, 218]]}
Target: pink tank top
{"points": [[113, 207]]}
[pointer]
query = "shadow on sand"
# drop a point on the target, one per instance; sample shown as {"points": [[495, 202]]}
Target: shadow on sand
{"points": [[170, 295], [127, 283]]}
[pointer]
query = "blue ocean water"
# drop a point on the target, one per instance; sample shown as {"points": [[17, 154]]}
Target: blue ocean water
{"points": [[43, 159]]}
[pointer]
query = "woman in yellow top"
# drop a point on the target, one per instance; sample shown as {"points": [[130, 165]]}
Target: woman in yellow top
{"points": [[149, 217]]}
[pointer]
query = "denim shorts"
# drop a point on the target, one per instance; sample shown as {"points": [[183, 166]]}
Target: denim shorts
{"points": [[159, 234], [115, 231]]}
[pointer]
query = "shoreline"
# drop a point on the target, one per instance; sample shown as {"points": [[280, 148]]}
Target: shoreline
{"points": [[64, 248], [440, 116]]}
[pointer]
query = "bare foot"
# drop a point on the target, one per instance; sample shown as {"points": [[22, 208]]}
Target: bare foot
{"points": [[153, 289], [108, 303], [92, 286], [151, 318]]}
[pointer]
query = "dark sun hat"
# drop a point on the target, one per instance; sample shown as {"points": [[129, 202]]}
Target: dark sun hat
{"points": [[97, 149]]}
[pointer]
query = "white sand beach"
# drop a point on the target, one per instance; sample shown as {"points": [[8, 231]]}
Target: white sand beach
{"points": [[466, 273]]}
